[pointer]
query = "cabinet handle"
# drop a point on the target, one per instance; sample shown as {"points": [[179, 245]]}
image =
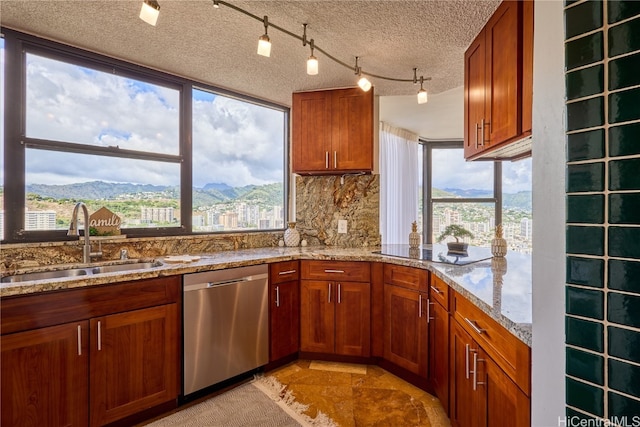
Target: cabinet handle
{"points": [[419, 305], [282, 273], [99, 336], [477, 127], [476, 383], [326, 160], [429, 304], [436, 290], [339, 293], [79, 340], [329, 293], [466, 361], [334, 271], [474, 327], [335, 160], [482, 125], [277, 296]]}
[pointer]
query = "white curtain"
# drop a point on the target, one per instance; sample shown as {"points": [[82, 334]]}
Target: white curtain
{"points": [[398, 183]]}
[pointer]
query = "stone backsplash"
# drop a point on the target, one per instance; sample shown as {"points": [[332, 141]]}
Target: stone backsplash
{"points": [[321, 201]]}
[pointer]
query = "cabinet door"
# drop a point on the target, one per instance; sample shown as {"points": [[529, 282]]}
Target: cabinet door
{"points": [[285, 319], [527, 65], [474, 96], [502, 100], [353, 319], [45, 376], [317, 316], [439, 352], [505, 405], [311, 132], [464, 406], [134, 362], [352, 130], [405, 341]]}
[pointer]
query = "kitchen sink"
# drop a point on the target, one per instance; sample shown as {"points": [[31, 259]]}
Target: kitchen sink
{"points": [[75, 272], [125, 267]]}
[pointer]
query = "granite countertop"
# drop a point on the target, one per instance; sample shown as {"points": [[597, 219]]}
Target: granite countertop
{"points": [[499, 287]]}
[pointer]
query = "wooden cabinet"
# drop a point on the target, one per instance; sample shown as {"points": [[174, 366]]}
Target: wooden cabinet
{"points": [[133, 362], [498, 83], [44, 376], [490, 371], [438, 320], [284, 303], [335, 314], [90, 356], [405, 318], [332, 131]]}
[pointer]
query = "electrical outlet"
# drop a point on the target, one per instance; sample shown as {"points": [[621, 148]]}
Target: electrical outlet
{"points": [[342, 226]]}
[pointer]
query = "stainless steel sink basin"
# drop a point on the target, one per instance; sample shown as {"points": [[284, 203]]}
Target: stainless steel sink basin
{"points": [[74, 272], [125, 267], [45, 275]]}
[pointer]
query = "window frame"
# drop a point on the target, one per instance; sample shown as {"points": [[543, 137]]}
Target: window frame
{"points": [[427, 178], [17, 46]]}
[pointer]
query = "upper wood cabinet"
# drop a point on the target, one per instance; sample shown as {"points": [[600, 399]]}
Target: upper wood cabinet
{"points": [[498, 84], [332, 131]]}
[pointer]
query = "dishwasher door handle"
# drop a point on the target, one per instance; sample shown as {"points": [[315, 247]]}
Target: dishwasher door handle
{"points": [[227, 282], [208, 285]]}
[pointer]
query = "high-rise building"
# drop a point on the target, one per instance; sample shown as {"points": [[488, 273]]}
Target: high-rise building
{"points": [[151, 215], [40, 220]]}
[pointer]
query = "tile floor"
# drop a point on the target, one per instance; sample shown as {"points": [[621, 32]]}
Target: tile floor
{"points": [[360, 395]]}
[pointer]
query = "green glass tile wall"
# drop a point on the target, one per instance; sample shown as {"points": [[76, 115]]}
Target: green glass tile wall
{"points": [[602, 320]]}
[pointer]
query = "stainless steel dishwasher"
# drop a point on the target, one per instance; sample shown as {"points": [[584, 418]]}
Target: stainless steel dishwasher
{"points": [[225, 324]]}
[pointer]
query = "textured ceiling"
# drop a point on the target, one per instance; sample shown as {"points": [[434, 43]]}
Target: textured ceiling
{"points": [[218, 46]]}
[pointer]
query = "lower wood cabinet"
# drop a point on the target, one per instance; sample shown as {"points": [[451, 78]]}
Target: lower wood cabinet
{"points": [[101, 355], [439, 351], [405, 329], [284, 310]]}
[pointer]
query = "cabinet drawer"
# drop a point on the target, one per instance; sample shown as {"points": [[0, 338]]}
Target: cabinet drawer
{"points": [[406, 277], [439, 291], [512, 355], [284, 272], [352, 271]]}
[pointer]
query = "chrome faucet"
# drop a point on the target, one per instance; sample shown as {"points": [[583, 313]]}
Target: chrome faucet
{"points": [[73, 231]]}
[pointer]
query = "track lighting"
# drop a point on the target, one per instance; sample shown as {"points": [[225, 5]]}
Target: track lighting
{"points": [[150, 11], [264, 43], [363, 82], [422, 94], [312, 62]]}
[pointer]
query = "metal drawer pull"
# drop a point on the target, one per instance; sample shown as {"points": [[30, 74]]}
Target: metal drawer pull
{"points": [[482, 125], [420, 305], [429, 304], [329, 293], [79, 340], [466, 360], [277, 296], [99, 336], [436, 290], [476, 383], [326, 160], [335, 160], [334, 271], [282, 273], [474, 327], [339, 293], [477, 127]]}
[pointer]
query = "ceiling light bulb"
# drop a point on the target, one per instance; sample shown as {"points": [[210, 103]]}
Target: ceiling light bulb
{"points": [[264, 46], [422, 96], [312, 65], [364, 84], [150, 11], [216, 4]]}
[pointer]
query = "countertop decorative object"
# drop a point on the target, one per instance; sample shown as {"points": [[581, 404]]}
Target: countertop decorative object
{"points": [[498, 244], [473, 281], [457, 232], [414, 236], [291, 235]]}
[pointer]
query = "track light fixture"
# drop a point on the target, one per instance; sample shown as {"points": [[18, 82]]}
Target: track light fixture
{"points": [[312, 62], [150, 11], [264, 43], [363, 82]]}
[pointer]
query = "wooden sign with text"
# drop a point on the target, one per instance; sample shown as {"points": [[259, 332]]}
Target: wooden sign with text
{"points": [[105, 223]]}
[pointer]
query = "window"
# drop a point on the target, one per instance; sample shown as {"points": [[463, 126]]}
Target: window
{"points": [[460, 192], [112, 134], [477, 195]]}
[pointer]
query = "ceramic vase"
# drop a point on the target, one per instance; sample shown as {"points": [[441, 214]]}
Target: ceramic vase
{"points": [[414, 236], [291, 235], [498, 244]]}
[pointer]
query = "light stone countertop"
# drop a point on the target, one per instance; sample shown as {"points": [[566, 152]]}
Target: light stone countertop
{"points": [[500, 289]]}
